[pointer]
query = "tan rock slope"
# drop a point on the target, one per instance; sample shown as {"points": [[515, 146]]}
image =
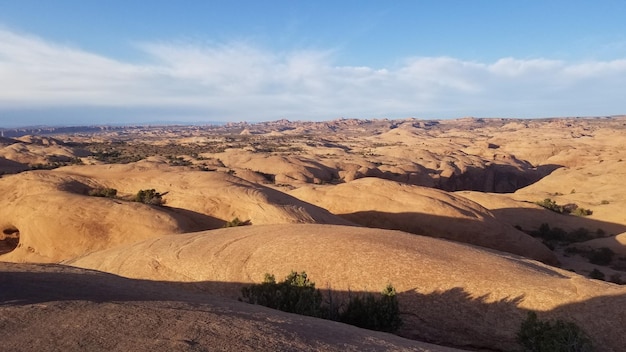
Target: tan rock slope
{"points": [[595, 183], [214, 194], [597, 186], [448, 292], [450, 155], [591, 159], [10, 167], [339, 172], [374, 202], [52, 308], [54, 218], [38, 150], [284, 169], [515, 210], [615, 243], [455, 154]]}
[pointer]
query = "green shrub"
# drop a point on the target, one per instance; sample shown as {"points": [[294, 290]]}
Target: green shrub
{"points": [[264, 294], [236, 222], [297, 294], [552, 336], [374, 313], [551, 205], [582, 212], [557, 234], [103, 192], [47, 166], [115, 156], [551, 234], [570, 208], [149, 196]]}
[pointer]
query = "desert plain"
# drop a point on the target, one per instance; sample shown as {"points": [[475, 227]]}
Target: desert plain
{"points": [[475, 222]]}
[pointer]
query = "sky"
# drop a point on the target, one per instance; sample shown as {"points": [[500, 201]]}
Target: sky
{"points": [[78, 62]]}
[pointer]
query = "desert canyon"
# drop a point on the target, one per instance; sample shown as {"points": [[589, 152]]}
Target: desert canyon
{"points": [[475, 222]]}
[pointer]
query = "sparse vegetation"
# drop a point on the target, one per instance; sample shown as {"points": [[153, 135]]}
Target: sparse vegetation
{"points": [[76, 161], [178, 161], [204, 167], [556, 235], [615, 278], [601, 256], [149, 196], [297, 294], [551, 205], [552, 336], [122, 152], [103, 192], [570, 208], [374, 313], [116, 156], [619, 264], [582, 212], [236, 222], [48, 166], [56, 161]]}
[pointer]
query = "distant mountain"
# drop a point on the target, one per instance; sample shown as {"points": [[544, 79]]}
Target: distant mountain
{"points": [[45, 130]]}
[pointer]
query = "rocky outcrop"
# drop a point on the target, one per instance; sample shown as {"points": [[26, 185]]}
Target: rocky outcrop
{"points": [[449, 293], [386, 204]]}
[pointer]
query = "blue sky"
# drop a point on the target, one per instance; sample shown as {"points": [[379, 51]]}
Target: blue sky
{"points": [[93, 62]]}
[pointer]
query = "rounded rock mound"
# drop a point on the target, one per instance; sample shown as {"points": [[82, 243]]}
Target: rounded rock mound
{"points": [[48, 216], [449, 292], [374, 202]]}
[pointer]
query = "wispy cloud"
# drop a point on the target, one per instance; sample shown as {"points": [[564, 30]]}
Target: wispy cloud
{"points": [[239, 80]]}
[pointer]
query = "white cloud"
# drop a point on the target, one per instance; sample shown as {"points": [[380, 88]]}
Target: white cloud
{"points": [[517, 68], [239, 80], [596, 69]]}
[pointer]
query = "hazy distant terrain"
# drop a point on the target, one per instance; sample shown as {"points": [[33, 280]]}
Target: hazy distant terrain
{"points": [[474, 221]]}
